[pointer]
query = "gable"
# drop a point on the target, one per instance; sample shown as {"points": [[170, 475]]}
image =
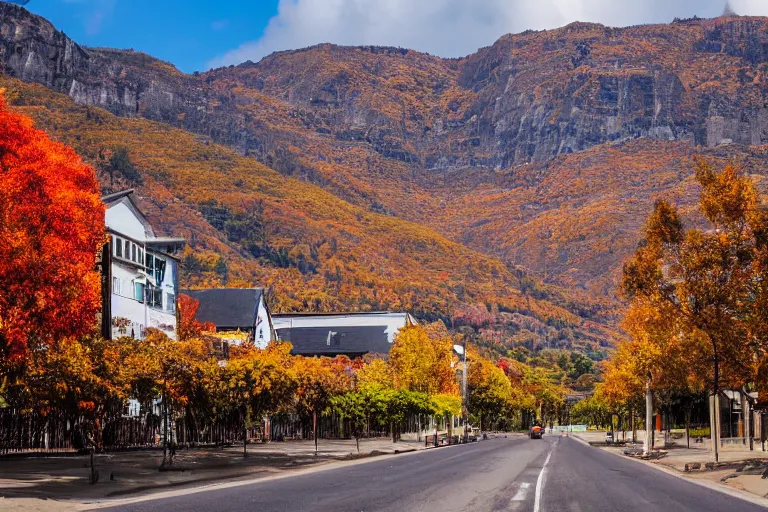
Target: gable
{"points": [[124, 218]]}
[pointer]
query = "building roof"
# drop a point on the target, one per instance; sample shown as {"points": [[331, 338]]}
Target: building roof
{"points": [[111, 198], [330, 334], [345, 313], [229, 308], [347, 340]]}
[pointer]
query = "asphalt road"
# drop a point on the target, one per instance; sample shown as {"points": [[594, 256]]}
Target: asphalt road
{"points": [[493, 475]]}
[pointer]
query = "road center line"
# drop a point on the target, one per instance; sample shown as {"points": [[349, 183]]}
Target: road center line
{"points": [[540, 481]]}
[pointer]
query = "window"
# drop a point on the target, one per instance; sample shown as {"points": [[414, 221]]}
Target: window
{"points": [[141, 256], [118, 247], [154, 296], [133, 252], [138, 291], [170, 302], [116, 286], [156, 267]]}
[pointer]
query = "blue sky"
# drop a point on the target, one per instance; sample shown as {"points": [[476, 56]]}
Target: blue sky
{"points": [[187, 33], [196, 35]]}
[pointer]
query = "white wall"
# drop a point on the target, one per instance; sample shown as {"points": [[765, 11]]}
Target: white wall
{"points": [[120, 218], [164, 321], [123, 307], [262, 334]]}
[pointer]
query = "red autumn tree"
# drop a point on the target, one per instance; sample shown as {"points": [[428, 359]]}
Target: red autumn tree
{"points": [[51, 229], [189, 326]]}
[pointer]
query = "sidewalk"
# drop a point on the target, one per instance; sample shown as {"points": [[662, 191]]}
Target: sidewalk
{"points": [[61, 483], [738, 468]]}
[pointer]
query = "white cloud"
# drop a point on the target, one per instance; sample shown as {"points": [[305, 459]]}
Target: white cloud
{"points": [[452, 28]]}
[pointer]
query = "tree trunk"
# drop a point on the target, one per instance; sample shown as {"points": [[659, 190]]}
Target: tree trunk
{"points": [[165, 431], [245, 435], [314, 428], [648, 418], [418, 422], [688, 425]]}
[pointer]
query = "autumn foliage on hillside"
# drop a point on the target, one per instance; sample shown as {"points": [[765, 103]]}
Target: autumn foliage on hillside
{"points": [[248, 225], [51, 228]]}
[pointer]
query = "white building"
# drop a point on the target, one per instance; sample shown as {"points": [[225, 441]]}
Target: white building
{"points": [[331, 334], [140, 273]]}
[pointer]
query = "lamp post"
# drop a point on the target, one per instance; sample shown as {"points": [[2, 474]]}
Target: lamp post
{"points": [[462, 351]]}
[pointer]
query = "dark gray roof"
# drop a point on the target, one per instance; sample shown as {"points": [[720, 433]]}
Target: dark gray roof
{"points": [[331, 341], [299, 314], [229, 308], [109, 198]]}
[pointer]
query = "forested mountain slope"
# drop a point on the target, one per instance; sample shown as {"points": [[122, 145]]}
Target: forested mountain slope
{"points": [[395, 169]]}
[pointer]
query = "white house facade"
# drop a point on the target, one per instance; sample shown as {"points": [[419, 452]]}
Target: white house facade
{"points": [[141, 273]]}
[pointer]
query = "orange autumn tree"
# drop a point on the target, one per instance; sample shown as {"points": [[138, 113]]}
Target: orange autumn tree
{"points": [[421, 358], [51, 229], [317, 381]]}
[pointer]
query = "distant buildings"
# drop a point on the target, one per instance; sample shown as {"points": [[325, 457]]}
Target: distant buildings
{"points": [[234, 310], [139, 273], [333, 334]]}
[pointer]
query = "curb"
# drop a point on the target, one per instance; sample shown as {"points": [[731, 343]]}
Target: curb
{"points": [[228, 482]]}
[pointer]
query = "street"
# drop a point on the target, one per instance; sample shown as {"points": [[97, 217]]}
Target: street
{"points": [[497, 474]]}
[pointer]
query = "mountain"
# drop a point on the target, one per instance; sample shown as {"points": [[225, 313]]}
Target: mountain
{"points": [[529, 165]]}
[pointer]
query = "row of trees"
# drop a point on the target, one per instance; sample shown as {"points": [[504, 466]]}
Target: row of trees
{"points": [[698, 317], [88, 381]]}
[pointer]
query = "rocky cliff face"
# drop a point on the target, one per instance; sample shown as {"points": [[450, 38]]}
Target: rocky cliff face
{"points": [[527, 98], [125, 82], [483, 148]]}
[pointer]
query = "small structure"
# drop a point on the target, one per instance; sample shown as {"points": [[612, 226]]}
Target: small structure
{"points": [[139, 272], [333, 334], [236, 311]]}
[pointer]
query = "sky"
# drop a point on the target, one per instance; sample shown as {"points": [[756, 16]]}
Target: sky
{"points": [[197, 35]]}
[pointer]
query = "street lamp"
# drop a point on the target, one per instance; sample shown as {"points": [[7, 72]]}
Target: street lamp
{"points": [[462, 351]]}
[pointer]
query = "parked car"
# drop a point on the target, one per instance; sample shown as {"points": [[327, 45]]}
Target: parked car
{"points": [[609, 437]]}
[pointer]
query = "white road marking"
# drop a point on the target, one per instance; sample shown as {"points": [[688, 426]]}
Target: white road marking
{"points": [[522, 492], [540, 482]]}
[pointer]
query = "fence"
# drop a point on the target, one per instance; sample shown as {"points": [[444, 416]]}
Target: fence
{"points": [[54, 432]]}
